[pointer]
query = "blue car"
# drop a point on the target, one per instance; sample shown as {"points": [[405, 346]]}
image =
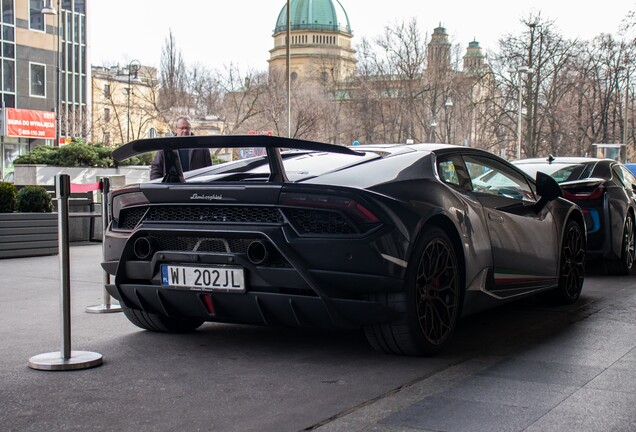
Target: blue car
{"points": [[631, 167]]}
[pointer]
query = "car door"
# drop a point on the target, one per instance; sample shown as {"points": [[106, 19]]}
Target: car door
{"points": [[525, 246]]}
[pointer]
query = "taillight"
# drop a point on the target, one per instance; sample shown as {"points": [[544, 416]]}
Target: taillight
{"points": [[126, 200], [355, 210], [578, 194]]}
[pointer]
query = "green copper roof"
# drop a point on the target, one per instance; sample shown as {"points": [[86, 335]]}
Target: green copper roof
{"points": [[327, 15]]}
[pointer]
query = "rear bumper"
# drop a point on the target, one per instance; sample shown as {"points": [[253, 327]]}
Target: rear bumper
{"points": [[252, 307], [307, 282]]}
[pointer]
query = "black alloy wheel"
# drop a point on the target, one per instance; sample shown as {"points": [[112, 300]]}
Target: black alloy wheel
{"points": [[437, 291], [572, 267], [431, 301], [624, 265]]}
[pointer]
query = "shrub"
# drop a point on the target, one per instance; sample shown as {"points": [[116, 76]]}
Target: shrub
{"points": [[35, 199], [7, 197], [78, 154]]}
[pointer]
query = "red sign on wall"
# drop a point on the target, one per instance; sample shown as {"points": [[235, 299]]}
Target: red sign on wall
{"points": [[29, 123]]}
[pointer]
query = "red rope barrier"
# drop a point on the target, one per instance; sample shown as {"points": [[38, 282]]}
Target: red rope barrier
{"points": [[76, 187]]}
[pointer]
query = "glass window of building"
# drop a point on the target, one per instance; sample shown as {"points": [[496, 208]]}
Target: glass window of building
{"points": [[7, 11], [8, 50], [8, 32], [36, 17], [37, 79], [8, 76], [7, 65]]}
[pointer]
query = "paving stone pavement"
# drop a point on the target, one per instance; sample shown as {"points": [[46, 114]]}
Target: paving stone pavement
{"points": [[581, 379]]}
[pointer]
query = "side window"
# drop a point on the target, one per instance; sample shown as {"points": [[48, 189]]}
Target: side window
{"points": [[491, 177], [447, 173], [617, 176], [451, 171], [626, 176]]}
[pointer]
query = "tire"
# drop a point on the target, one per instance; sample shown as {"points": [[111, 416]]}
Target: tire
{"points": [[430, 305], [160, 323], [572, 265], [624, 265]]}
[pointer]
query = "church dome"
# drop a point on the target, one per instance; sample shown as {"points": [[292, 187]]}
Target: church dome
{"points": [[322, 15]]}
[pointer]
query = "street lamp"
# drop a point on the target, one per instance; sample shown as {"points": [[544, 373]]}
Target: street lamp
{"points": [[288, 67], [520, 71], [448, 106], [433, 126], [49, 10], [133, 69], [625, 116]]}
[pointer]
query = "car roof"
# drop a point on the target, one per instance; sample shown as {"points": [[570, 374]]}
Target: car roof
{"points": [[394, 147], [562, 160]]}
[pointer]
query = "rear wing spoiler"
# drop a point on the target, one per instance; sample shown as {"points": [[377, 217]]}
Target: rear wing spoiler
{"points": [[587, 182], [272, 144]]}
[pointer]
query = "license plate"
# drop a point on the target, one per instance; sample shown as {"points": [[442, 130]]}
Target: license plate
{"points": [[212, 278]]}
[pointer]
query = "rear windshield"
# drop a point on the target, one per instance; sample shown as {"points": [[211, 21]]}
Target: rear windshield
{"points": [[559, 171], [315, 164], [298, 165]]}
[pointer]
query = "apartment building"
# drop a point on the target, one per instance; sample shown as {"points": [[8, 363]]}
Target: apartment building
{"points": [[43, 72]]}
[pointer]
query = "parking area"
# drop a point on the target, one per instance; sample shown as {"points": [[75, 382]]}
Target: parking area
{"points": [[525, 366]]}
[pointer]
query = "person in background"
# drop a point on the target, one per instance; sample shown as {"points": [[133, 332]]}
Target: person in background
{"points": [[191, 159]]}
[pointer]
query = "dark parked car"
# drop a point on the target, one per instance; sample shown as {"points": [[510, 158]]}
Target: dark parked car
{"points": [[395, 239], [605, 190]]}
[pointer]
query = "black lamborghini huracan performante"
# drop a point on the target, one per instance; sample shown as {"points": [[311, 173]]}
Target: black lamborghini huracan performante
{"points": [[398, 240]]}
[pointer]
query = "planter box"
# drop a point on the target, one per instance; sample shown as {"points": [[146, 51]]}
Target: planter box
{"points": [[44, 175], [28, 234]]}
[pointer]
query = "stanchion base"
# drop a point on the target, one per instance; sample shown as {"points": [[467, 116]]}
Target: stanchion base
{"points": [[104, 308], [54, 361]]}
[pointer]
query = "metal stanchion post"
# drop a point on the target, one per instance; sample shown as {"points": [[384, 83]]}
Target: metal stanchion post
{"points": [[107, 306], [64, 359]]}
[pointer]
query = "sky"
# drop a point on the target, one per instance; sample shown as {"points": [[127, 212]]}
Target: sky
{"points": [[216, 33]]}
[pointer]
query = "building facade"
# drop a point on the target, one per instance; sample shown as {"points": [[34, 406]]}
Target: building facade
{"points": [[320, 41], [124, 104], [437, 101], [43, 61]]}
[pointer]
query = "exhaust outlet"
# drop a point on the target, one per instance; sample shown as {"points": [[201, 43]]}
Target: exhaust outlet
{"points": [[144, 247], [257, 252]]}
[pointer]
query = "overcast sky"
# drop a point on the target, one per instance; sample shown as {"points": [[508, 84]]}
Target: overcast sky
{"points": [[215, 33]]}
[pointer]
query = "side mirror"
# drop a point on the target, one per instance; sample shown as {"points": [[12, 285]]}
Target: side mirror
{"points": [[547, 188]]}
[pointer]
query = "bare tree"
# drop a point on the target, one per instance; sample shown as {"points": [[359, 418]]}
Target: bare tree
{"points": [[173, 77], [240, 92]]}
